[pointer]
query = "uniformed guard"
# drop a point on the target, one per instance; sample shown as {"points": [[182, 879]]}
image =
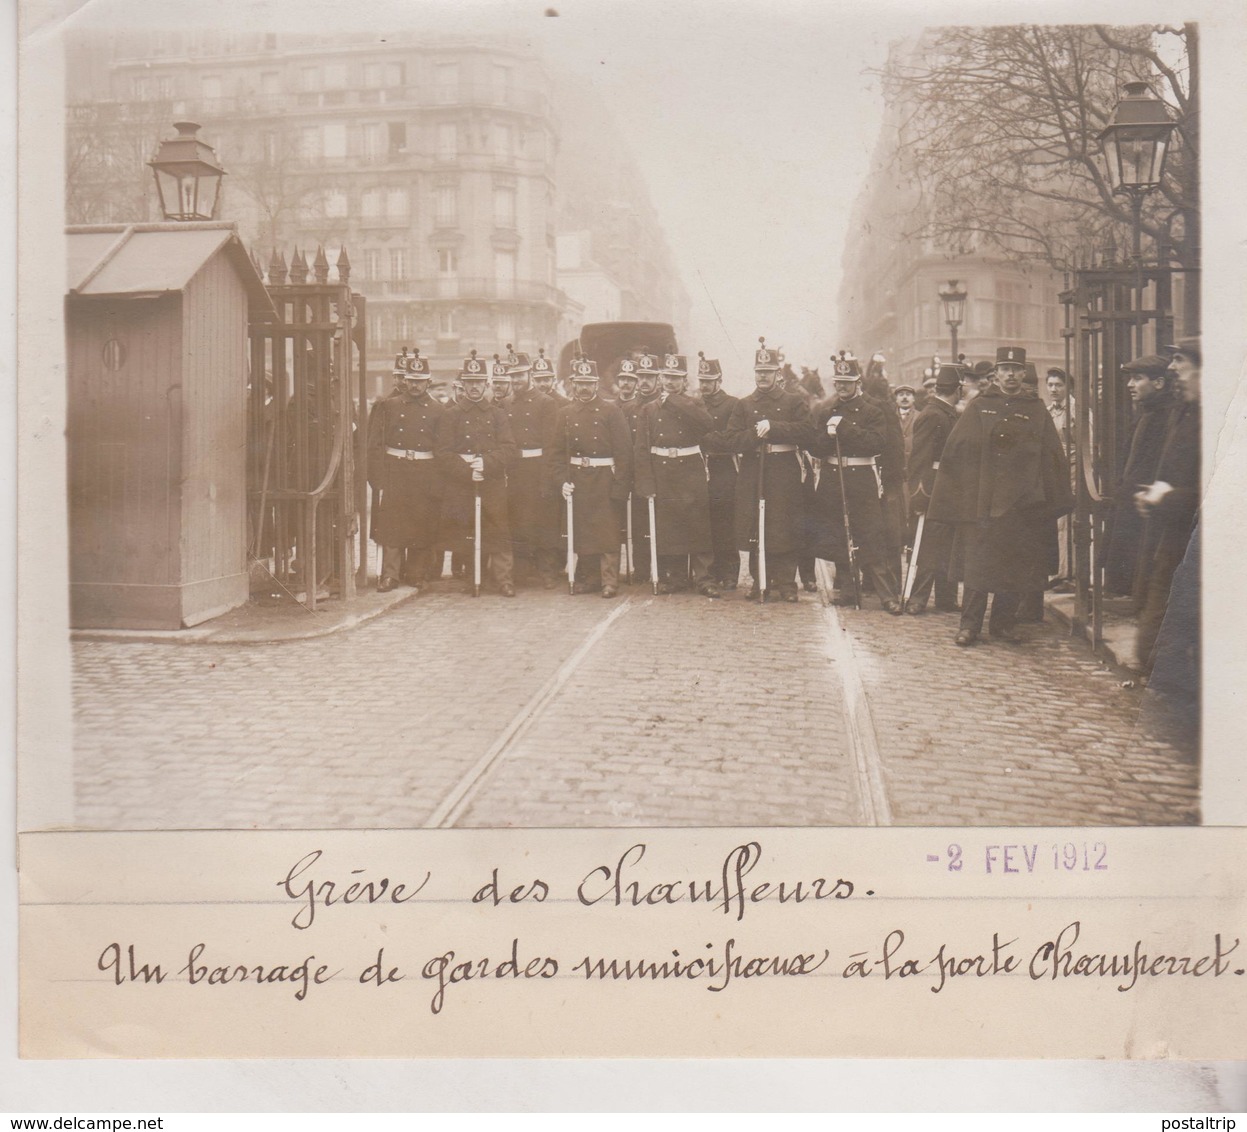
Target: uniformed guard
{"points": [[534, 508], [767, 429], [850, 436], [671, 469], [404, 477], [722, 463], [475, 449], [591, 464], [1002, 480], [646, 369], [930, 552], [635, 532], [543, 377]]}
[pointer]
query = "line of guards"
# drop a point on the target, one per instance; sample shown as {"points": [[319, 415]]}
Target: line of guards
{"points": [[683, 483]]}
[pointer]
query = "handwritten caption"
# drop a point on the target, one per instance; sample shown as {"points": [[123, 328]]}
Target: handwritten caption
{"points": [[310, 890]]}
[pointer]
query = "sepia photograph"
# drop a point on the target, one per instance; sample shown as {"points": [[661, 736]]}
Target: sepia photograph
{"points": [[514, 419]]}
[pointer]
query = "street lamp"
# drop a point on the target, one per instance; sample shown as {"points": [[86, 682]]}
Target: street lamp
{"points": [[188, 178], [1135, 143], [954, 299]]}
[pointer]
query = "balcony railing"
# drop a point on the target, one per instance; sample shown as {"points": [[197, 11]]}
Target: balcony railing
{"points": [[463, 288]]}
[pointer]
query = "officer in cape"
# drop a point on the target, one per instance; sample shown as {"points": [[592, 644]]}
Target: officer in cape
{"points": [[671, 469], [475, 449], [404, 476], [591, 465]]}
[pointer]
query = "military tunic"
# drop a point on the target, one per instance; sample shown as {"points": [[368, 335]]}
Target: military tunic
{"points": [[932, 427], [640, 508], [791, 427], [408, 487], [533, 508], [677, 482], [1003, 479], [592, 430], [862, 436], [478, 429]]}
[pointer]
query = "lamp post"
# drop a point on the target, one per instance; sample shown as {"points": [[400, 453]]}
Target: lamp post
{"points": [[188, 178], [1135, 142], [954, 299]]}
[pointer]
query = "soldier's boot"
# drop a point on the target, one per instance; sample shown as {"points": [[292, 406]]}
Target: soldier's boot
{"points": [[610, 575], [921, 592], [1003, 623], [701, 566], [945, 595], [502, 566], [782, 576], [391, 568], [973, 609], [588, 575], [885, 587]]}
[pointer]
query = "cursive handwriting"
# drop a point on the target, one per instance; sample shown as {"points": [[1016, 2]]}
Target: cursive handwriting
{"points": [[314, 894]]}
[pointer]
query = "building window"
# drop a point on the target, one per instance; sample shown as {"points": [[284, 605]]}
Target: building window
{"points": [[309, 78], [395, 74], [504, 208], [374, 328], [371, 203], [309, 143], [502, 84], [506, 327], [335, 76], [398, 263], [396, 202], [504, 274], [372, 74], [397, 137], [164, 86], [447, 141], [446, 324], [335, 203], [335, 140], [1010, 309], [504, 144], [372, 264], [447, 273], [375, 140], [211, 86], [447, 77], [140, 88], [447, 206], [402, 326]]}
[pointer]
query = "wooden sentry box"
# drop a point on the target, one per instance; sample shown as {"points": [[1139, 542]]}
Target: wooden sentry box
{"points": [[156, 326]]}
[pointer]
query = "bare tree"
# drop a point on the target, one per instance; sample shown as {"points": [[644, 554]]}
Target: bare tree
{"points": [[999, 133], [107, 147]]}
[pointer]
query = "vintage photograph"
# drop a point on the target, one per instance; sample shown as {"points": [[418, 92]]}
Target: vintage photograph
{"points": [[607, 416]]}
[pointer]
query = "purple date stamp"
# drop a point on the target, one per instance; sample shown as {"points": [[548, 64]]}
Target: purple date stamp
{"points": [[1026, 857]]}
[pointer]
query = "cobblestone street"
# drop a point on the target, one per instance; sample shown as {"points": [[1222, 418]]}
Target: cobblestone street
{"points": [[549, 711]]}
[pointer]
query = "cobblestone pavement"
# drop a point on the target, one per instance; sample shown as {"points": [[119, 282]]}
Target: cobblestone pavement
{"points": [[680, 711]]}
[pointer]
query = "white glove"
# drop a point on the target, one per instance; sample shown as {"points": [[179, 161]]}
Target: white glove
{"points": [[1151, 495], [762, 428], [568, 488], [833, 424], [662, 397], [478, 468]]}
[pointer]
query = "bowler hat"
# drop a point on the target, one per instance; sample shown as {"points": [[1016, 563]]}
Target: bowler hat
{"points": [[949, 377]]}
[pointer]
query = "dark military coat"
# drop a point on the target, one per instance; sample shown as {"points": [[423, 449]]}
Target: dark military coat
{"points": [[1003, 480], [678, 483], [534, 508], [592, 429], [407, 492], [482, 429], [863, 433], [1146, 443], [932, 427], [721, 461], [780, 472]]}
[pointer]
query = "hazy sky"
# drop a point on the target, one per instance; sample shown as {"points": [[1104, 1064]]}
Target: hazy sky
{"points": [[752, 125]]}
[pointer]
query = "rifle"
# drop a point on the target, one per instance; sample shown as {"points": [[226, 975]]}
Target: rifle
{"points": [[912, 572], [653, 546], [761, 579], [848, 533], [476, 543]]}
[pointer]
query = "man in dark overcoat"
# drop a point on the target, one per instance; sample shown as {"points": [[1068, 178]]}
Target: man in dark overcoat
{"points": [[767, 430], [405, 478], [932, 427], [533, 507], [591, 464], [850, 436], [1150, 382], [721, 462], [627, 381], [670, 468], [1003, 479], [475, 450], [1170, 505]]}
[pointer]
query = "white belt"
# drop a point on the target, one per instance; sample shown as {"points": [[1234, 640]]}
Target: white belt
{"points": [[592, 461], [781, 447], [936, 466], [468, 457], [852, 462], [409, 454], [529, 453], [672, 453]]}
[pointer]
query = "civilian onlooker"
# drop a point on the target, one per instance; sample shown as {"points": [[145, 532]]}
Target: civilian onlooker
{"points": [[1061, 408], [906, 410], [1151, 392], [1169, 505]]}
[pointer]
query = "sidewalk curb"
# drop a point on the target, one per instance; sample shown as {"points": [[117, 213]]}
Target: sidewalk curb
{"points": [[1060, 608], [206, 635]]}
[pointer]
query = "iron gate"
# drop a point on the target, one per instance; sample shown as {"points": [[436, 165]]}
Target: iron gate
{"points": [[305, 451]]}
